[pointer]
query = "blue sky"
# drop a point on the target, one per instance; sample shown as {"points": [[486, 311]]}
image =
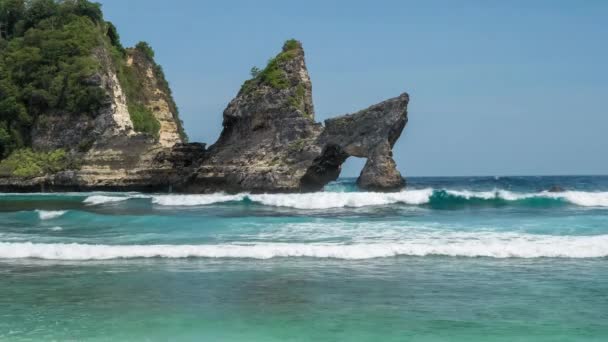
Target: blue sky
{"points": [[496, 87]]}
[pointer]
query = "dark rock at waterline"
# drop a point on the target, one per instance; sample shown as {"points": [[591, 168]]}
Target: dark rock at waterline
{"points": [[556, 188]]}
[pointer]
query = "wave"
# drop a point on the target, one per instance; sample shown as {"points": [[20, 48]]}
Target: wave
{"points": [[103, 199], [431, 197], [435, 198], [317, 200], [49, 215], [489, 245]]}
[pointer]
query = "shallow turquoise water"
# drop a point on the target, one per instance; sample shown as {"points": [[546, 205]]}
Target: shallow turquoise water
{"points": [[450, 259]]}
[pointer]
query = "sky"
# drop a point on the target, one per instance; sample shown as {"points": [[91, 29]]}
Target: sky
{"points": [[496, 87]]}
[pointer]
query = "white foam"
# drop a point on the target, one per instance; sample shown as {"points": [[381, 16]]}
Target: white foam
{"points": [[328, 200], [102, 199], [583, 198], [580, 198], [317, 200], [56, 229], [494, 245], [49, 215], [194, 200]]}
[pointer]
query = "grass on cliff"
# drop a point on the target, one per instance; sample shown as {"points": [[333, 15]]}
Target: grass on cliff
{"points": [[273, 74], [143, 120], [26, 163]]}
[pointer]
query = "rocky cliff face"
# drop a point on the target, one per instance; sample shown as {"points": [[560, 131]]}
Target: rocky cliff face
{"points": [[111, 154], [271, 143], [269, 132], [370, 133]]}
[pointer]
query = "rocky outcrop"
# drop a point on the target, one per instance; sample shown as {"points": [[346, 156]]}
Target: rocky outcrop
{"points": [[271, 143], [370, 133], [111, 154], [269, 131]]}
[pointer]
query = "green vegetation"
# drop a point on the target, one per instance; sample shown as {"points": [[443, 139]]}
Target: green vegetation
{"points": [[273, 74], [146, 49], [49, 57], [297, 100], [297, 145], [291, 44], [46, 63], [143, 120], [28, 164]]}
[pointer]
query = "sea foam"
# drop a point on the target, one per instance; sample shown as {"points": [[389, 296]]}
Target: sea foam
{"points": [[328, 200], [495, 245], [49, 215]]}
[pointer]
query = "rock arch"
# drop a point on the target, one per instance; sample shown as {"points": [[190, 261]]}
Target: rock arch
{"points": [[370, 133]]}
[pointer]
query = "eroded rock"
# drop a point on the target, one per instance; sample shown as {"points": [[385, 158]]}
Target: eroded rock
{"points": [[271, 143]]}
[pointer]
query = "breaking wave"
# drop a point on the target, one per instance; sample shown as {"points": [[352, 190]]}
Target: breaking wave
{"points": [[327, 200], [493, 245], [49, 215], [430, 197]]}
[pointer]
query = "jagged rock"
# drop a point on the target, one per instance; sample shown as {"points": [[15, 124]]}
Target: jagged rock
{"points": [[370, 133], [270, 142], [269, 132]]}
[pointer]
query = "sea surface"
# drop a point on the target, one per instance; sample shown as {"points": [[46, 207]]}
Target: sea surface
{"points": [[448, 259]]}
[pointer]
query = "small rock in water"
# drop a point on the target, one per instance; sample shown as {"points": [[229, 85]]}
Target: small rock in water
{"points": [[556, 188]]}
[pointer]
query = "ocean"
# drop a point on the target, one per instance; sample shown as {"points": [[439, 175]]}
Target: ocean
{"points": [[447, 259]]}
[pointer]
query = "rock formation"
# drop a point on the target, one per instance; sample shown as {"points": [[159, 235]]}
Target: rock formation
{"points": [[370, 133], [110, 153], [270, 141]]}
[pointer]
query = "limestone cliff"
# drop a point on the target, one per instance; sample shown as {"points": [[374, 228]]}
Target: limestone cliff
{"points": [[111, 154]]}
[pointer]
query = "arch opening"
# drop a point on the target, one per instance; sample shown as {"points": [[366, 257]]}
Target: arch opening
{"points": [[329, 166]]}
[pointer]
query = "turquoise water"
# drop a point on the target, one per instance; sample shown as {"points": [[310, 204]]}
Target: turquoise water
{"points": [[448, 259]]}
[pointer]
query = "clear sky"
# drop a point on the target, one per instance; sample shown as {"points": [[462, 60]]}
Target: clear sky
{"points": [[496, 87]]}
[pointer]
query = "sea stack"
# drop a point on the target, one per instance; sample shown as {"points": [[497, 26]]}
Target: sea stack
{"points": [[271, 143]]}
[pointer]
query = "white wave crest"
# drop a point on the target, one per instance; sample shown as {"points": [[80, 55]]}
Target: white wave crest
{"points": [[583, 198], [328, 200], [194, 200], [102, 199], [317, 200], [580, 198], [488, 245], [49, 215]]}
